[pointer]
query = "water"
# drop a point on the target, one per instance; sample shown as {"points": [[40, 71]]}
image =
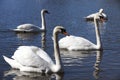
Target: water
{"points": [[78, 65]]}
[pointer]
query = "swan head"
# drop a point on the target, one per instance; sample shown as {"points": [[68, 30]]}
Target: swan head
{"points": [[60, 29], [100, 17], [44, 11]]}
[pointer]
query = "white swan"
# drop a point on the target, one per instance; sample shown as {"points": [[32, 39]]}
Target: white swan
{"points": [[80, 43], [33, 28], [100, 13], [34, 59]]}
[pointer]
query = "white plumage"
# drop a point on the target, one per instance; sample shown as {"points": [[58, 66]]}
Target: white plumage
{"points": [[76, 43], [80, 43], [100, 13], [30, 58], [31, 27], [34, 59]]}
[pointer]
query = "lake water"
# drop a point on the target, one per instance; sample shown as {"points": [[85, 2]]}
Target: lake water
{"points": [[78, 65]]}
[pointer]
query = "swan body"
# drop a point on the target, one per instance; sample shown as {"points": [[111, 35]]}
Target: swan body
{"points": [[29, 58], [31, 27], [34, 59], [80, 43], [28, 28], [76, 43], [100, 13]]}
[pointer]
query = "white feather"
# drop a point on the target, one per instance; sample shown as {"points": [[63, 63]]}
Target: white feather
{"points": [[80, 43], [75, 43], [31, 27], [34, 59]]}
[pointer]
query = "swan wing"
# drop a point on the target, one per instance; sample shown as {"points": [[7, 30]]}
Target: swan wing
{"points": [[75, 43], [12, 62], [43, 54], [81, 43], [28, 56], [27, 28], [92, 15], [66, 42]]}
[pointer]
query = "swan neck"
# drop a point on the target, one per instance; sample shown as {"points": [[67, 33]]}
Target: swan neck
{"points": [[43, 21], [56, 50], [98, 38]]}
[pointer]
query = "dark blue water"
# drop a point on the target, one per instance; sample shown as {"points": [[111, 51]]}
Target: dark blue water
{"points": [[78, 65]]}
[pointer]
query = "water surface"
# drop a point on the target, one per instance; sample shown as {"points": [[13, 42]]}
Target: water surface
{"points": [[78, 65]]}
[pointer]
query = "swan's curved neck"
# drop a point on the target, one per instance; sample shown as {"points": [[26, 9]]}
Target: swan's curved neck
{"points": [[57, 52], [43, 21], [98, 38]]}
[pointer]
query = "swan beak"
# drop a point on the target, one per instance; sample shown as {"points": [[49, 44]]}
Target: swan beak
{"points": [[102, 19], [66, 34]]}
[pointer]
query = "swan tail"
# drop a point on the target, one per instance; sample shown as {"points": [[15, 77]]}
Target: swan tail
{"points": [[12, 62]]}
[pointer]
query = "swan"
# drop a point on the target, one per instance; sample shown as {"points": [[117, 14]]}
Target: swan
{"points": [[100, 13], [34, 59], [31, 27], [79, 43]]}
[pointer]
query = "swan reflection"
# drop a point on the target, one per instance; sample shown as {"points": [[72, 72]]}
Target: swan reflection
{"points": [[76, 54], [43, 40], [97, 64], [19, 75], [31, 37], [74, 58], [26, 36]]}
